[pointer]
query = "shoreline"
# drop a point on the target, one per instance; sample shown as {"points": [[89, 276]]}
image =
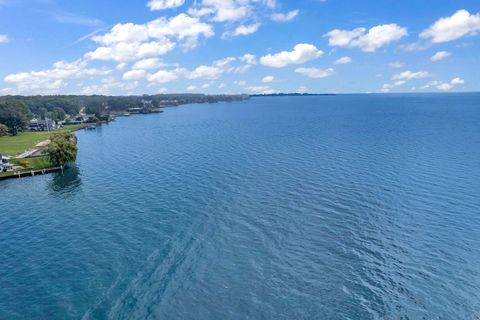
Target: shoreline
{"points": [[31, 173], [35, 172]]}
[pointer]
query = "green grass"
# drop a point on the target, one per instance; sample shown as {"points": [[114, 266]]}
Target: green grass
{"points": [[15, 145], [37, 163]]}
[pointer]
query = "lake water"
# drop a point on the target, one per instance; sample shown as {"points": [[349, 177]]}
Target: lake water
{"points": [[331, 207]]}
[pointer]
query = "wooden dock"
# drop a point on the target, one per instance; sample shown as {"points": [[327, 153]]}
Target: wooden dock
{"points": [[31, 173]]}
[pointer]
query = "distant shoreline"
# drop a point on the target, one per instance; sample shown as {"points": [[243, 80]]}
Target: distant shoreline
{"points": [[291, 95]]}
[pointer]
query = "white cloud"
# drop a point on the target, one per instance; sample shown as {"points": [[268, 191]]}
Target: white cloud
{"points": [[107, 85], [164, 4], [243, 30], [457, 81], [460, 24], [440, 56], [126, 42], [301, 53], [240, 83], [223, 10], [208, 72], [121, 66], [409, 75], [260, 89], [164, 76], [192, 88], [402, 78], [343, 60], [125, 51], [268, 79], [134, 75], [376, 37], [445, 87], [150, 63], [285, 17], [249, 58], [4, 38], [52, 80], [315, 72]]}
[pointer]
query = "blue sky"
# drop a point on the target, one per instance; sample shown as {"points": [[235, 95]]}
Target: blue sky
{"points": [[238, 46]]}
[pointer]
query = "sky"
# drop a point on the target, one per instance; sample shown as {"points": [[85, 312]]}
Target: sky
{"points": [[126, 47]]}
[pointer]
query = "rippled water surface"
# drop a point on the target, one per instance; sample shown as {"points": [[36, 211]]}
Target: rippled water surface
{"points": [[334, 207]]}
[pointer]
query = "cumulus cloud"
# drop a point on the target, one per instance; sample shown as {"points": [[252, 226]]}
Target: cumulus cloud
{"points": [[223, 10], [164, 76], [129, 41], [343, 60], [243, 30], [285, 17], [460, 24], [370, 41], [445, 86], [164, 4], [301, 53], [409, 75], [315, 72], [54, 79], [402, 78], [107, 86], [150, 63], [134, 75], [249, 58], [208, 72], [440, 56], [3, 38], [268, 79], [260, 89], [457, 81]]}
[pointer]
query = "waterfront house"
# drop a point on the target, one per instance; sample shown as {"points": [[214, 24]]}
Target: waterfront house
{"points": [[42, 125]]}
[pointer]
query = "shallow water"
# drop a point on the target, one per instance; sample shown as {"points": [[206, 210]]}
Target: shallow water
{"points": [[333, 207]]}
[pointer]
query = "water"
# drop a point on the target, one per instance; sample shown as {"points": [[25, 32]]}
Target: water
{"points": [[341, 207]]}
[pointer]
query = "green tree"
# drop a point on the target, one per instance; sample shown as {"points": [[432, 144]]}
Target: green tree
{"points": [[14, 114], [62, 148], [42, 112], [58, 114], [3, 130]]}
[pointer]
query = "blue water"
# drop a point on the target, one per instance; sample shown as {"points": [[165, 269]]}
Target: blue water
{"points": [[334, 207]]}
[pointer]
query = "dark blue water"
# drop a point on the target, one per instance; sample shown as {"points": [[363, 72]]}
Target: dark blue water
{"points": [[341, 207]]}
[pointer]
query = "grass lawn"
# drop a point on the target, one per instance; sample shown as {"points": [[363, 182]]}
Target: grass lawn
{"points": [[37, 163], [15, 145]]}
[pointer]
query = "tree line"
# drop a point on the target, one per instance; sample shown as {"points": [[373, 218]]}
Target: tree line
{"points": [[17, 111]]}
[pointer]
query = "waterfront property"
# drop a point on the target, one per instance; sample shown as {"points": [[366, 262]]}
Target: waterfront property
{"points": [[42, 125]]}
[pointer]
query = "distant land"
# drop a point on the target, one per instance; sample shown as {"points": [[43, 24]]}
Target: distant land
{"points": [[293, 94]]}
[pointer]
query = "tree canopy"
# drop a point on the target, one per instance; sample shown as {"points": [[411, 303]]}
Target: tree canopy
{"points": [[14, 114], [62, 148]]}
